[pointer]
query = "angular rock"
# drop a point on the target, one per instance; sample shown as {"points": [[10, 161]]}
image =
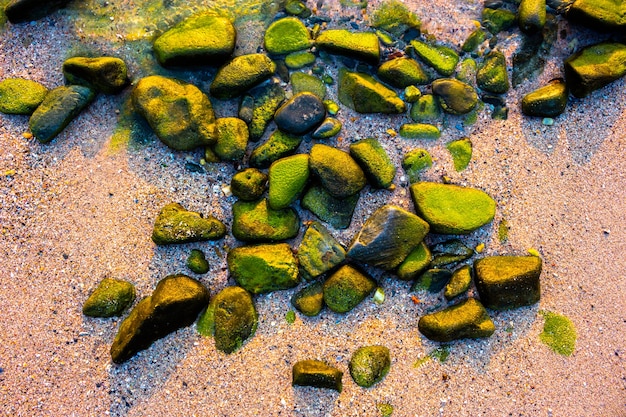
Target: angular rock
{"points": [[197, 262], [603, 15], [426, 109], [334, 211], [455, 96], [249, 184], [319, 252], [492, 75], [475, 38], [301, 82], [265, 101], [20, 96], [461, 151], [531, 16], [110, 298], [309, 300], [376, 164], [459, 282], [412, 94], [497, 20], [388, 237], [255, 221], [369, 365], [506, 282], [20, 11], [419, 131], [300, 114], [594, 67], [448, 252], [287, 178], [174, 224], [286, 35], [547, 101], [439, 57], [241, 74], [432, 280], [346, 288], [363, 94], [415, 263], [358, 45], [327, 129], [278, 145], [338, 172], [467, 319], [232, 138], [313, 373], [416, 161], [175, 303], [105, 74], [402, 72]]}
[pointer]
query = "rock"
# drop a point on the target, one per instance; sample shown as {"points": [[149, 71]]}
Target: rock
{"points": [[319, 252], [416, 161], [467, 71], [461, 151], [357, 45], [337, 171], [301, 83], [58, 108], [105, 74], [20, 11], [594, 67], [278, 145], [402, 72], [432, 280], [459, 282], [452, 209], [369, 365], [179, 113], [297, 8], [492, 75], [412, 94], [506, 282], [415, 263], [374, 161], [174, 224], [531, 16], [334, 211], [197, 262], [346, 288], [202, 39], [419, 131], [603, 15], [309, 300], [300, 114], [263, 268], [312, 373], [547, 101], [559, 333], [265, 101], [232, 138], [439, 57], [255, 221], [110, 298], [175, 303], [388, 237], [297, 60], [286, 35], [448, 252], [495, 21], [426, 109], [20, 96], [467, 319], [394, 17], [287, 178], [363, 94], [241, 74], [249, 184], [472, 42], [455, 96], [327, 129]]}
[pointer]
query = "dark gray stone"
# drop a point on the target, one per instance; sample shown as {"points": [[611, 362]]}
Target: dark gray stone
{"points": [[300, 114]]}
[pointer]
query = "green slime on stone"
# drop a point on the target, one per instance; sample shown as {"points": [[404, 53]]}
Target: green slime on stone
{"points": [[559, 333]]}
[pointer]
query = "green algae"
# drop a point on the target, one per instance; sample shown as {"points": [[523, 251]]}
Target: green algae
{"points": [[395, 18], [386, 410], [290, 317], [503, 231], [441, 354], [558, 333], [461, 151]]}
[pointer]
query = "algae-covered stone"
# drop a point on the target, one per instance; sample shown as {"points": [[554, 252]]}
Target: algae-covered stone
{"points": [[313, 373], [450, 251], [402, 72], [241, 74], [327, 129], [301, 82], [265, 100], [300, 114], [415, 263], [309, 300], [202, 39], [419, 131], [455, 96], [432, 280], [531, 16], [197, 262], [286, 35], [506, 282], [459, 282], [461, 151], [363, 94], [334, 211], [412, 94], [20, 96], [604, 15], [452, 209], [106, 74], [232, 138], [110, 298], [174, 224], [176, 302], [497, 20], [369, 365], [346, 288], [337, 171], [492, 75], [319, 252], [467, 71], [558, 333], [467, 319], [20, 11], [358, 45], [287, 178], [376, 164], [425, 109], [474, 39], [439, 57], [594, 67], [248, 184], [297, 60], [263, 268], [278, 145], [547, 101], [416, 161], [255, 221], [394, 17], [179, 113], [388, 237]]}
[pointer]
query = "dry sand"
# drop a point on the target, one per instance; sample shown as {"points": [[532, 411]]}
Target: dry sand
{"points": [[74, 212]]}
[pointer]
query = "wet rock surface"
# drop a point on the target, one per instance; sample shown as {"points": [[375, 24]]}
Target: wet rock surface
{"points": [[346, 288], [106, 74], [175, 224], [110, 298], [467, 319], [300, 114], [314, 373]]}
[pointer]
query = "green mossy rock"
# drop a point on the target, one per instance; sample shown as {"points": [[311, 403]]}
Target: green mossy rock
{"points": [[300, 114], [255, 221], [474, 39], [197, 262], [297, 8], [21, 11], [531, 16], [110, 298], [461, 151], [248, 184], [558, 333], [402, 72], [312, 373], [419, 131], [604, 15], [106, 74], [506, 282], [594, 67], [20, 96], [358, 45], [319, 252], [412, 94], [394, 17], [309, 300], [363, 94], [287, 179], [265, 101], [327, 129], [455, 96], [286, 35], [388, 237], [449, 252], [374, 161], [439, 57], [175, 303], [337, 171], [263, 268], [179, 113], [334, 211], [346, 288], [497, 20], [415, 263], [297, 60], [432, 280], [492, 75], [467, 71], [459, 282], [174, 224], [241, 74], [278, 145], [416, 161], [467, 319], [232, 138], [452, 209], [58, 108], [426, 109], [547, 101], [369, 365], [301, 82]]}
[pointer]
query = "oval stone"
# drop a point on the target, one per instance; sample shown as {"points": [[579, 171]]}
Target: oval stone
{"points": [[455, 96], [300, 114]]}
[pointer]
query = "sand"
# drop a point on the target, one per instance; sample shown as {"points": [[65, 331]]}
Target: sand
{"points": [[75, 210]]}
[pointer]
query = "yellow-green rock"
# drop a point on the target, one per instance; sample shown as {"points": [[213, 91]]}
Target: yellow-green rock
{"points": [[497, 20], [232, 138], [287, 178], [459, 282], [492, 75], [369, 365], [415, 263], [394, 17], [286, 35], [455, 97], [278, 145], [248, 184], [346, 288], [197, 262], [373, 159], [327, 129], [461, 151], [337, 171], [594, 67], [358, 45], [531, 16], [314, 373], [106, 74], [425, 109], [301, 59], [20, 96], [335, 211], [301, 82], [319, 252], [362, 93], [558, 333], [110, 298], [175, 224], [402, 72], [255, 221], [416, 161], [419, 131], [467, 319], [241, 74], [474, 40], [603, 15], [442, 58], [265, 100], [309, 300], [547, 101]]}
